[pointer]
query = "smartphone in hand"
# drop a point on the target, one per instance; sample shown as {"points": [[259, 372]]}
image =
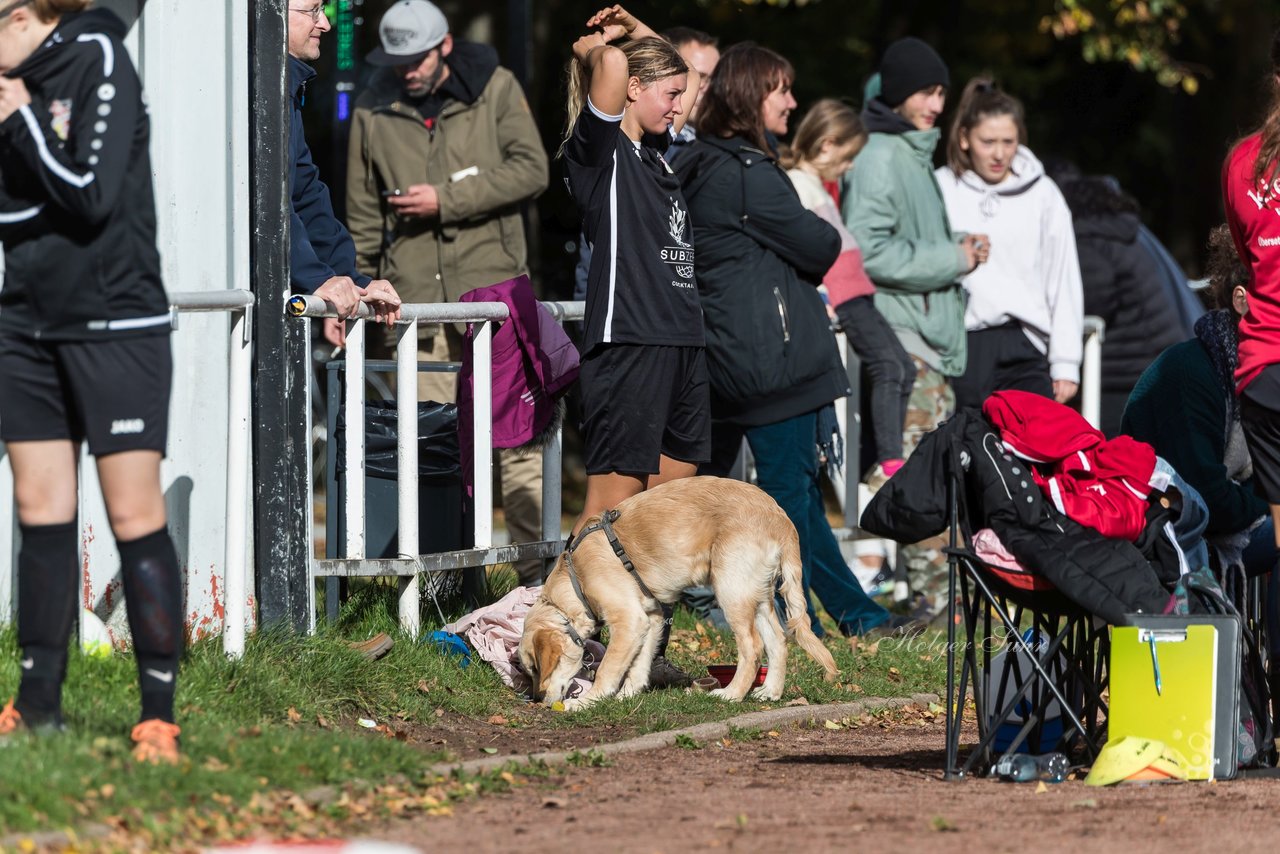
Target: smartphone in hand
{"points": [[386, 194]]}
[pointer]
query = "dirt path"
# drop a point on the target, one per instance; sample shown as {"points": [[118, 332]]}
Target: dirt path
{"points": [[874, 787]]}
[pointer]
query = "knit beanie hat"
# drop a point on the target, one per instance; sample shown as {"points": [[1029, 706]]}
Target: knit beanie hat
{"points": [[910, 65]]}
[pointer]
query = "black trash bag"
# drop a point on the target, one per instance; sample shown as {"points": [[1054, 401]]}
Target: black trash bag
{"points": [[439, 461]]}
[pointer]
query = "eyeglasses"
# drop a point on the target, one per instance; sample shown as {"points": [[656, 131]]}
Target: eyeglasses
{"points": [[315, 12]]}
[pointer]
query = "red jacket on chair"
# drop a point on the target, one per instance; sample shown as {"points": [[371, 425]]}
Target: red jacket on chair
{"points": [[1099, 483]]}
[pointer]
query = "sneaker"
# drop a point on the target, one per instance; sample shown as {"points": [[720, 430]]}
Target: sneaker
{"points": [[664, 674], [880, 474], [156, 741], [375, 647], [10, 720]]}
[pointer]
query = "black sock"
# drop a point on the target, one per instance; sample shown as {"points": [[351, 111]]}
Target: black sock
{"points": [[153, 599], [668, 617], [47, 594]]}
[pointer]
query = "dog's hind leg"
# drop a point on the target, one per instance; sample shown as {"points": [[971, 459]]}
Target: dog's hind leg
{"points": [[775, 646], [739, 612], [637, 678]]}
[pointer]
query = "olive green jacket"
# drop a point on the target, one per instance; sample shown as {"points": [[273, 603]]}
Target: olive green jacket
{"points": [[485, 159]]}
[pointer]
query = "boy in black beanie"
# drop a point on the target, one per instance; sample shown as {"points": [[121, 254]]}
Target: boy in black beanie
{"points": [[892, 204]]}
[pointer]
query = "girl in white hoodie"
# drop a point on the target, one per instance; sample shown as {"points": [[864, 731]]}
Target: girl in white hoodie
{"points": [[1025, 312]]}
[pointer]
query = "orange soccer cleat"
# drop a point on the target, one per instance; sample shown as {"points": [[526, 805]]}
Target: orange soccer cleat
{"points": [[156, 741]]}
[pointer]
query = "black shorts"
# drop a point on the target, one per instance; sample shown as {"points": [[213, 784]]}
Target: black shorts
{"points": [[640, 402], [1260, 418], [114, 393]]}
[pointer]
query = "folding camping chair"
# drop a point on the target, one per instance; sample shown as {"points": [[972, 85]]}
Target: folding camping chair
{"points": [[1055, 660]]}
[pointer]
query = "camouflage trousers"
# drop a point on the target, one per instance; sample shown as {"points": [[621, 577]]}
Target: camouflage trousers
{"points": [[932, 402]]}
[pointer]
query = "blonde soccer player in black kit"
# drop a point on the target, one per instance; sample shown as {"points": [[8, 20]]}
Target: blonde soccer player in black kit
{"points": [[645, 395], [84, 349]]}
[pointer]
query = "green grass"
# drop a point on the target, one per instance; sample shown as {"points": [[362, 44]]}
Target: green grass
{"points": [[259, 731]]}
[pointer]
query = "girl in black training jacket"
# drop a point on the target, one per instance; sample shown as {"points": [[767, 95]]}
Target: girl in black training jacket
{"points": [[84, 348], [770, 353]]}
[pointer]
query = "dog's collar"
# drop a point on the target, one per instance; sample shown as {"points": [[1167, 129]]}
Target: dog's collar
{"points": [[568, 626], [607, 518]]}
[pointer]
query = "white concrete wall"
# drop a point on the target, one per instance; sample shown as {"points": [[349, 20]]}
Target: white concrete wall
{"points": [[193, 59]]}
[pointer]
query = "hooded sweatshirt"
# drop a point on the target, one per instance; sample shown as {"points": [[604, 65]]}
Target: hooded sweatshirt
{"points": [[1032, 275], [894, 209]]}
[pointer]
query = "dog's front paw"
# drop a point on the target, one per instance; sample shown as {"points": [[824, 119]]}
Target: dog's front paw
{"points": [[725, 694], [764, 692]]}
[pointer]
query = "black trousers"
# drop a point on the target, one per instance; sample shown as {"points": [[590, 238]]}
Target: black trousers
{"points": [[1001, 359]]}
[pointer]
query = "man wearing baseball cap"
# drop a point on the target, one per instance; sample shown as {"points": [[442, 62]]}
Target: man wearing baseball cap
{"points": [[893, 206], [443, 155]]}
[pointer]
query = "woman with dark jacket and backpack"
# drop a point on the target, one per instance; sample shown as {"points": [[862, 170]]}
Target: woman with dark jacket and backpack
{"points": [[1123, 284], [770, 353], [84, 349]]}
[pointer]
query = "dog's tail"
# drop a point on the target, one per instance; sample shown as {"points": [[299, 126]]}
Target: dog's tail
{"points": [[797, 613]]}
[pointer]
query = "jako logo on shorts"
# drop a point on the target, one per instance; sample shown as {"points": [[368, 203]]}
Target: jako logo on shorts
{"points": [[127, 425]]}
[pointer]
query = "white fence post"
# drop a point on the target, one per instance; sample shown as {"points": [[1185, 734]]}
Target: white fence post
{"points": [[1091, 371], [482, 403], [353, 411], [407, 469], [234, 561]]}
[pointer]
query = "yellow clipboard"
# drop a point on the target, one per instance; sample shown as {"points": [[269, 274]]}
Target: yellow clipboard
{"points": [[1164, 686]]}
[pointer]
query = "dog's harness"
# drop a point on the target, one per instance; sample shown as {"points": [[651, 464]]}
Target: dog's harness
{"points": [[605, 524]]}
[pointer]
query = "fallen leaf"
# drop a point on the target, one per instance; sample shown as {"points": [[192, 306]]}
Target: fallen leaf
{"points": [[1041, 788], [294, 715], [108, 790], [935, 708], [798, 701], [439, 713], [322, 721], [509, 777], [425, 687], [367, 723], [831, 725], [497, 720], [489, 750], [773, 733]]}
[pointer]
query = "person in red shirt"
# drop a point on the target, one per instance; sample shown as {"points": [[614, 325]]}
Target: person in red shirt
{"points": [[1251, 197]]}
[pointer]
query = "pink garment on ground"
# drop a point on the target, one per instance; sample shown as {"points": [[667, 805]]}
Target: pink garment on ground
{"points": [[494, 633]]}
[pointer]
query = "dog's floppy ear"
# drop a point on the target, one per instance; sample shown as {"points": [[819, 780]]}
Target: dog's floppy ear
{"points": [[546, 651]]}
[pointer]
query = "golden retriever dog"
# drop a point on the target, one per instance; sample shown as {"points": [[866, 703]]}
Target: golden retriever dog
{"points": [[683, 533]]}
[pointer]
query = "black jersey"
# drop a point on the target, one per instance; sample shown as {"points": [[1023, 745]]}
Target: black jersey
{"points": [[77, 208], [640, 286]]}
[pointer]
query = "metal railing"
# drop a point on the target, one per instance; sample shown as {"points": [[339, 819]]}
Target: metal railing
{"points": [[238, 304], [410, 563]]}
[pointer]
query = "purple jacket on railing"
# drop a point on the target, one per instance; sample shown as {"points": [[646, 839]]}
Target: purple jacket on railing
{"points": [[534, 363]]}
